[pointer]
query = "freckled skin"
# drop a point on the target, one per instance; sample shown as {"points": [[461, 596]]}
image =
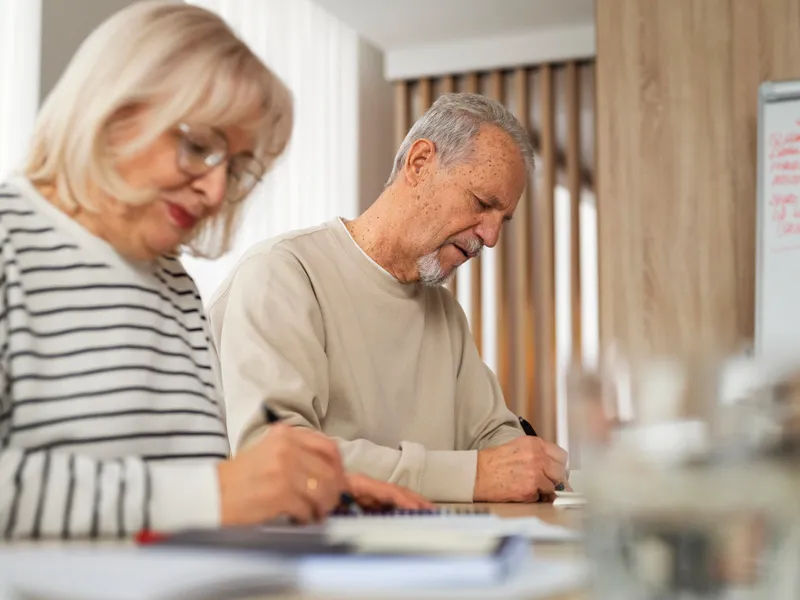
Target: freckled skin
{"points": [[429, 204]]}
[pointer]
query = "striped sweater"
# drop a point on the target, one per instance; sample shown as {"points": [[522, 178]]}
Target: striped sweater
{"points": [[110, 420]]}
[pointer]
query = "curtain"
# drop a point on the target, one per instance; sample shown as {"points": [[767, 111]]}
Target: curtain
{"points": [[20, 49], [316, 180]]}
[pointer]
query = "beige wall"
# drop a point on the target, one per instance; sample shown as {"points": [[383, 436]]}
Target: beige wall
{"points": [[65, 24], [676, 137], [375, 124]]}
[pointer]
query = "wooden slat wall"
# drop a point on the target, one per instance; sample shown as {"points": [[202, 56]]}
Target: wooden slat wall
{"points": [[574, 187], [501, 283], [476, 298], [524, 282], [525, 347], [448, 87], [544, 260]]}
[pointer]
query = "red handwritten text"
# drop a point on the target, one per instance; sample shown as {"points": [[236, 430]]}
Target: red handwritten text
{"points": [[784, 179], [788, 229], [785, 165]]}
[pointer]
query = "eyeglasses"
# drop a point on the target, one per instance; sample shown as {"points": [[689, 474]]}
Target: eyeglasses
{"points": [[201, 149]]}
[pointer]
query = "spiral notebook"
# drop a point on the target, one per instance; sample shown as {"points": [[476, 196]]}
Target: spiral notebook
{"points": [[442, 511]]}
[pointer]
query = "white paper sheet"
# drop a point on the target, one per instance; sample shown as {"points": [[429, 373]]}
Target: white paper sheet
{"points": [[532, 528]]}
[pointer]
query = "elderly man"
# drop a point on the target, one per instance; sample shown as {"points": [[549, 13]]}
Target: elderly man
{"points": [[345, 327]]}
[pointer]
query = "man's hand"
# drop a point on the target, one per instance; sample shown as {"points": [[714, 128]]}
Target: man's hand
{"points": [[289, 471], [520, 471], [371, 493]]}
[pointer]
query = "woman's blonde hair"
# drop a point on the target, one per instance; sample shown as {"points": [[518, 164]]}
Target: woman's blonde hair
{"points": [[181, 62]]}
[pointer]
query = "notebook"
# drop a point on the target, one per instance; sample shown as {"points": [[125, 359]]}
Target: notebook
{"points": [[391, 513], [412, 557]]}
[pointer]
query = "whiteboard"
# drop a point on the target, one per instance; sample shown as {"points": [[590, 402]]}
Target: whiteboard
{"points": [[777, 302]]}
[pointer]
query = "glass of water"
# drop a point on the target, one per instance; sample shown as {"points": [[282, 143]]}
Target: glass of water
{"points": [[691, 472]]}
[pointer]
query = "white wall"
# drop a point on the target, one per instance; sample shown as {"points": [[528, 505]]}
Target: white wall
{"points": [[65, 24]]}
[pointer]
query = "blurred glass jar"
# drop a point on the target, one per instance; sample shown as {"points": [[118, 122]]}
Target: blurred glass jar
{"points": [[691, 469]]}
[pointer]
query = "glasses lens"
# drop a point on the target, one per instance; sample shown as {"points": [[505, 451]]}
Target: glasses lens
{"points": [[244, 173], [200, 150]]}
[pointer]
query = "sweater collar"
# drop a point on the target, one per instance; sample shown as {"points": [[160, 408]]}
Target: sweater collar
{"points": [[367, 265]]}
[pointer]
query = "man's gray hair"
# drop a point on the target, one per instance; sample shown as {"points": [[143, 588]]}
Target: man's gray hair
{"points": [[452, 124]]}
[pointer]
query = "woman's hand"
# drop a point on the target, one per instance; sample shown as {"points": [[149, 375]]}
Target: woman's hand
{"points": [[290, 471], [371, 493]]}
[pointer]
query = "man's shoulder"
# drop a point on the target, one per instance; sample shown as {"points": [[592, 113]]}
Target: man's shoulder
{"points": [[295, 243], [270, 255]]}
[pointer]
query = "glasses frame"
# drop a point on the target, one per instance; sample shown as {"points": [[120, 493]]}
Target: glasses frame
{"points": [[222, 149]]}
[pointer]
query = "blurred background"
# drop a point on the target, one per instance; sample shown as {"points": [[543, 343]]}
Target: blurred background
{"points": [[639, 227]]}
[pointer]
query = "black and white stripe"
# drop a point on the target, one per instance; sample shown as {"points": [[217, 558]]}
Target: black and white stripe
{"points": [[106, 378]]}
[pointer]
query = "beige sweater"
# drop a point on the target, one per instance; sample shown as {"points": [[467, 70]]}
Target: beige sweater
{"points": [[309, 324]]}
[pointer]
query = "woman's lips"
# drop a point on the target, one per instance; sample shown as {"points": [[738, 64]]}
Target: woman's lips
{"points": [[180, 216]]}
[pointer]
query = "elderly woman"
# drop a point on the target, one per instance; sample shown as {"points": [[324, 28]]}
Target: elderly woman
{"points": [[110, 420]]}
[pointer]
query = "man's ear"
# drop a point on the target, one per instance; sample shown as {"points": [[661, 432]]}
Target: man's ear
{"points": [[421, 155]]}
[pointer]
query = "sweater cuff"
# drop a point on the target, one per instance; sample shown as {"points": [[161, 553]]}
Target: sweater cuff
{"points": [[184, 496], [449, 476]]}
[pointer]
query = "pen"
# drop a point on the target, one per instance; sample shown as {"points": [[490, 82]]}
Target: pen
{"points": [[528, 429], [346, 499]]}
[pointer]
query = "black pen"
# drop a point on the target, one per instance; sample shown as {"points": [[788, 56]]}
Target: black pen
{"points": [[528, 429], [346, 499]]}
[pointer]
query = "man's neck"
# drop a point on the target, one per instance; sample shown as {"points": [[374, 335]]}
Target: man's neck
{"points": [[378, 232]]}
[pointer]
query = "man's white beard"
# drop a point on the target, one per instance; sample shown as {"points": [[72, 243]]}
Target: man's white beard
{"points": [[430, 270], [430, 267]]}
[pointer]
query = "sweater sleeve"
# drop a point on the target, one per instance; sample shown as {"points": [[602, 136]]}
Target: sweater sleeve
{"points": [[270, 342], [46, 493], [483, 419]]}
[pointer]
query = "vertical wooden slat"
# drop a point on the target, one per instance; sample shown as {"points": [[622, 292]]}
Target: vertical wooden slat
{"points": [[574, 186], [524, 346], [448, 86], [497, 92], [425, 96], [401, 110], [545, 262], [476, 301]]}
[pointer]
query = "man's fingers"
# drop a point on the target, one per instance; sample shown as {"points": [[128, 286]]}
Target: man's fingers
{"points": [[556, 453], [555, 472], [545, 485]]}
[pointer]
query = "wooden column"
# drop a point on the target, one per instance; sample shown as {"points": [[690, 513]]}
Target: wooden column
{"points": [[574, 185], [676, 125], [524, 340], [544, 262], [401, 112], [476, 300], [501, 283]]}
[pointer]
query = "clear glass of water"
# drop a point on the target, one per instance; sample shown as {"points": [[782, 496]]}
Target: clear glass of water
{"points": [[691, 472]]}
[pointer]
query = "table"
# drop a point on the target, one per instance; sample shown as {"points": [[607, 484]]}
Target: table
{"points": [[568, 517], [547, 512]]}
